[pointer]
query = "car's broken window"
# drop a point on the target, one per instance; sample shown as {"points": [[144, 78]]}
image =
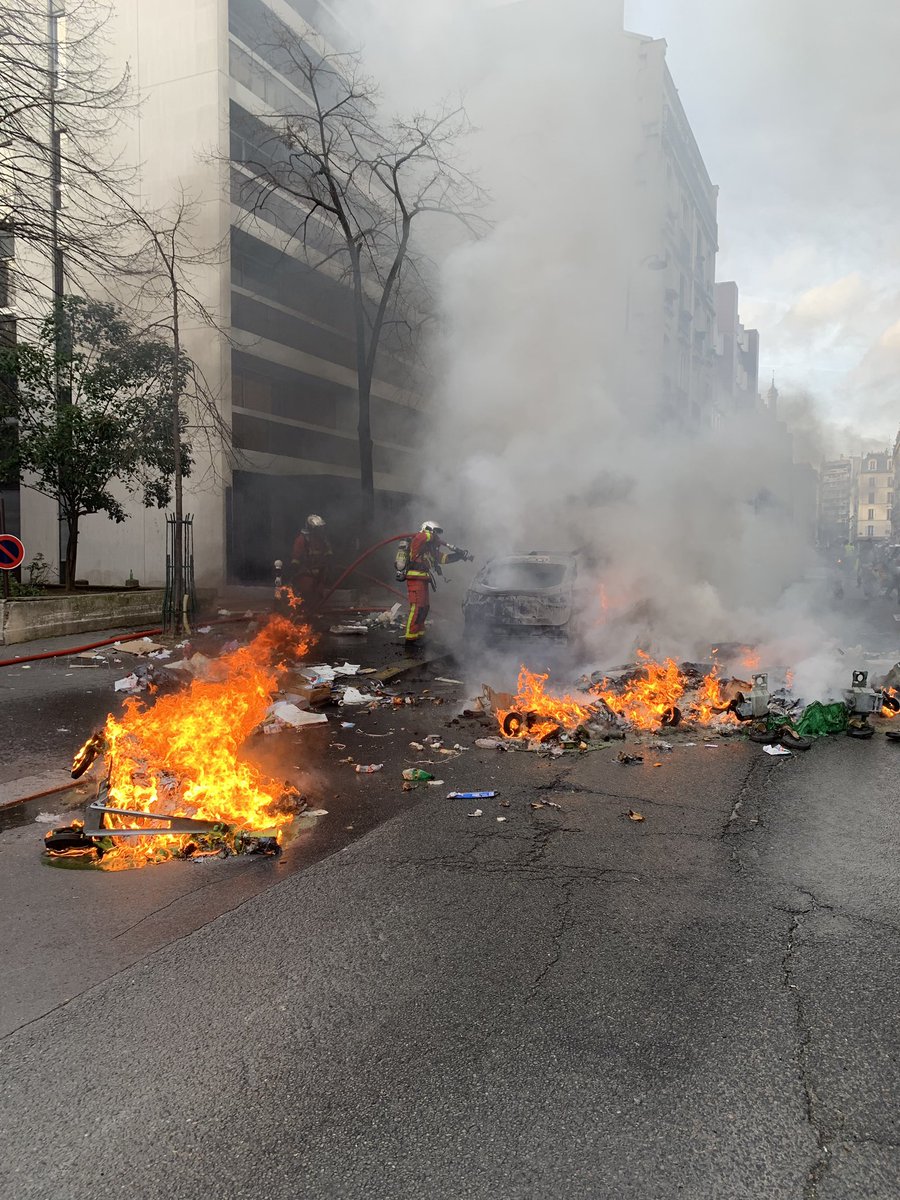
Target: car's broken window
{"points": [[524, 576]]}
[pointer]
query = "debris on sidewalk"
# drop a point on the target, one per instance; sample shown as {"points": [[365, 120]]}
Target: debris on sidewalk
{"points": [[476, 813], [352, 696], [370, 769], [538, 804], [634, 816], [777, 751], [472, 795], [628, 759], [350, 630], [416, 775]]}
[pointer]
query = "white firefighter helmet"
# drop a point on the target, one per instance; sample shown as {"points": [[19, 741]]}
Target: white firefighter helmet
{"points": [[431, 527], [314, 521]]}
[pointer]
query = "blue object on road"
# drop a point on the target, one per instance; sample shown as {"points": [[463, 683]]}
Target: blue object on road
{"points": [[472, 795]]}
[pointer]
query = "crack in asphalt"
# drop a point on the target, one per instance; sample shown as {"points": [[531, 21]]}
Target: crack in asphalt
{"points": [[564, 913], [824, 1128], [751, 787]]}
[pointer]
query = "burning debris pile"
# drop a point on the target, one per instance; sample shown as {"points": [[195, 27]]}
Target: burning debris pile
{"points": [[175, 781], [658, 697]]}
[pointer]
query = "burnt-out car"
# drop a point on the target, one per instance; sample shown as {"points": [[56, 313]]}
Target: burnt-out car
{"points": [[523, 594]]}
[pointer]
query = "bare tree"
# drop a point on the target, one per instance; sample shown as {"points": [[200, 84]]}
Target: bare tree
{"points": [[164, 269], [60, 106], [357, 186]]}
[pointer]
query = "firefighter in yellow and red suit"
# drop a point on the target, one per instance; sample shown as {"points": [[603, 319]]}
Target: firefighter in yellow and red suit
{"points": [[428, 552]]}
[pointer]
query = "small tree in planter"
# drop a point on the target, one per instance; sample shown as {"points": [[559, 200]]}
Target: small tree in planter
{"points": [[91, 402]]}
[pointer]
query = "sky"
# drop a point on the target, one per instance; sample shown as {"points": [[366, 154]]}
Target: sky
{"points": [[796, 108]]}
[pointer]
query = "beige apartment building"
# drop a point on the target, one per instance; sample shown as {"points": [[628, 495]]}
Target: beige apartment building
{"points": [[873, 498]]}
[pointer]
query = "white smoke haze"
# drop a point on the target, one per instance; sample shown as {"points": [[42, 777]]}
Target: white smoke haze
{"points": [[546, 435]]}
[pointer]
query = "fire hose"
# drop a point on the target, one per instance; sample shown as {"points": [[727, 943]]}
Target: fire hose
{"points": [[399, 537]]}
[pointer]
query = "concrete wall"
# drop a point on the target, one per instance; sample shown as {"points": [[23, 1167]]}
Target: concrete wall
{"points": [[56, 616]]}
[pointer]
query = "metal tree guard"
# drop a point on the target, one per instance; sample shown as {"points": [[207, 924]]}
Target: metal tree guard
{"points": [[187, 601]]}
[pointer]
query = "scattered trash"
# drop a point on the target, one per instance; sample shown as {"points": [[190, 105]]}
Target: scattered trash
{"points": [[490, 743], [224, 612], [161, 654], [416, 775], [85, 660], [205, 629], [353, 696], [138, 646], [536, 804], [369, 770], [416, 746], [499, 819], [286, 714], [662, 747], [46, 818], [346, 630], [315, 812], [63, 730], [476, 813], [130, 683], [504, 803], [628, 759], [348, 724], [472, 795], [777, 751], [457, 682], [634, 816]]}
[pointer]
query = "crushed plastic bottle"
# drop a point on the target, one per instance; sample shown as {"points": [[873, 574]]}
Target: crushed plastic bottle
{"points": [[416, 775]]}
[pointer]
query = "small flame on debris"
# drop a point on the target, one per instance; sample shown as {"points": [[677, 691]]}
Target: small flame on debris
{"points": [[180, 756]]}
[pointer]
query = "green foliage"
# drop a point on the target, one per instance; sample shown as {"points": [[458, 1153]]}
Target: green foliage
{"points": [[93, 404], [39, 572]]}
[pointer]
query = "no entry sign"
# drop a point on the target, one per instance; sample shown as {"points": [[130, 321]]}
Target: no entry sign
{"points": [[12, 552]]}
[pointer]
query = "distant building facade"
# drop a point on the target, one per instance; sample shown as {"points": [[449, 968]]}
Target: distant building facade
{"points": [[836, 502], [737, 354], [671, 292], [873, 498]]}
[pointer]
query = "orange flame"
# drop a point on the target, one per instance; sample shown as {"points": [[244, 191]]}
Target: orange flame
{"points": [[649, 701], [180, 756], [287, 593], [711, 702], [890, 703], [535, 713]]}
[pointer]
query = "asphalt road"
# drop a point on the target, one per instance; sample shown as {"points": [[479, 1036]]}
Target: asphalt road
{"points": [[566, 1002]]}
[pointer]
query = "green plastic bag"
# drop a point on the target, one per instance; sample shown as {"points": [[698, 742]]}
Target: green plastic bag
{"points": [[816, 720]]}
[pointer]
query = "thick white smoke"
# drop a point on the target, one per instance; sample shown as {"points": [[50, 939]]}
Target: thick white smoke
{"points": [[546, 433]]}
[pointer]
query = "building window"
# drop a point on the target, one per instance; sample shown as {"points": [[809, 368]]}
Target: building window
{"points": [[870, 531], [873, 465], [871, 516]]}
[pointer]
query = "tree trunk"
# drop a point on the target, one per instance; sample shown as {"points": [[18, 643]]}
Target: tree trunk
{"points": [[364, 393], [178, 538], [71, 552]]}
